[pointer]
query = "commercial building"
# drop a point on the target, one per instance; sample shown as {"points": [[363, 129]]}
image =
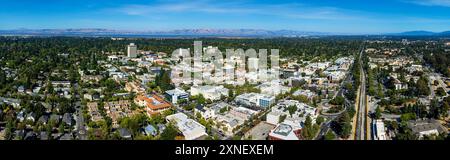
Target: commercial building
{"points": [[335, 76], [212, 111], [285, 132], [132, 50], [235, 117], [176, 94], [296, 119], [153, 104], [273, 88], [426, 127], [378, 129], [255, 99], [253, 63], [210, 92], [307, 93], [191, 129]]}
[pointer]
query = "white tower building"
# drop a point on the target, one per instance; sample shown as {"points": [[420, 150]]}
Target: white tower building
{"points": [[132, 50]]}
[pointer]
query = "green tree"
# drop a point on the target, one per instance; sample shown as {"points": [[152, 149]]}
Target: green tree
{"points": [[169, 133], [330, 135], [236, 137], [422, 86], [378, 112], [230, 95], [163, 80], [62, 126], [281, 118], [339, 100], [320, 120], [8, 129], [292, 109], [440, 92]]}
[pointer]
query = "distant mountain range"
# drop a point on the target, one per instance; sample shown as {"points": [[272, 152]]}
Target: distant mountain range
{"points": [[422, 33], [194, 32], [181, 32]]}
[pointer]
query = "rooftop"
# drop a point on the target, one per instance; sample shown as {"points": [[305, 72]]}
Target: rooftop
{"points": [[422, 125], [176, 91]]}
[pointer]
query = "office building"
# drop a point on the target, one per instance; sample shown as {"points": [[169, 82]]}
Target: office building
{"points": [[132, 51]]}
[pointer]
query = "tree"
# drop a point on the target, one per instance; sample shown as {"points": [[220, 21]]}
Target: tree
{"points": [[342, 125], [169, 133], [2, 78], [50, 89], [309, 129], [134, 123], [330, 135], [292, 109], [407, 116], [230, 95], [223, 110], [320, 120], [378, 113], [436, 82], [339, 100], [301, 98], [281, 118], [422, 86], [163, 80], [440, 92], [9, 129], [236, 137], [308, 121], [61, 127]]}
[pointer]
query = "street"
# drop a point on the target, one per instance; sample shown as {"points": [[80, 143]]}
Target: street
{"points": [[361, 119]]}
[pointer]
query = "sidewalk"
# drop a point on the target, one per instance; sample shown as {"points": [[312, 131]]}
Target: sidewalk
{"points": [[352, 136]]}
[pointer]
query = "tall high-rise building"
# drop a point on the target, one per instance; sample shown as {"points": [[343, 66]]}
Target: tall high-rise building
{"points": [[253, 63], [132, 50]]}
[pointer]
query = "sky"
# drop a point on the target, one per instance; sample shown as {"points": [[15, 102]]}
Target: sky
{"points": [[337, 16]]}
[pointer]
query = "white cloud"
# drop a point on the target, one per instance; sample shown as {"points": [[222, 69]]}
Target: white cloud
{"points": [[291, 10]]}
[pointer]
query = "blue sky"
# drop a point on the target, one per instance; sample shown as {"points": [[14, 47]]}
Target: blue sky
{"points": [[343, 16]]}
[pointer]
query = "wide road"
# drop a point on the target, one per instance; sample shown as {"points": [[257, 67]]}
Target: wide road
{"points": [[361, 119]]}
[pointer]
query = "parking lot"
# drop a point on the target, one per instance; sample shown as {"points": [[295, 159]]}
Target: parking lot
{"points": [[260, 131]]}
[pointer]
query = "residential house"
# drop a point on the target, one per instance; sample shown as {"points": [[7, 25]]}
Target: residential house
{"points": [[94, 112], [118, 109], [125, 133], [55, 118], [31, 117], [134, 87], [43, 119], [10, 101], [150, 130], [20, 116], [67, 118]]}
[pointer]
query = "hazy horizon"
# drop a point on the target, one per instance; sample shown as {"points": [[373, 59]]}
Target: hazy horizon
{"points": [[169, 30], [346, 16]]}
